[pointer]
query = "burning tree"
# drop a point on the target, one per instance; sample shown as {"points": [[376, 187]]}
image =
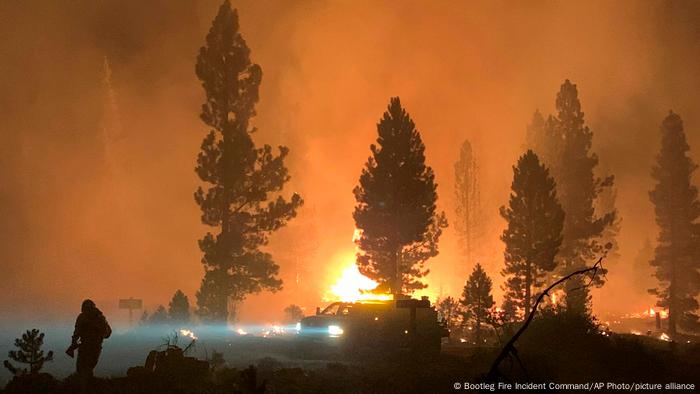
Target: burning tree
{"points": [[241, 179], [468, 200], [566, 143], [677, 209], [395, 211], [534, 233], [477, 299], [29, 353]]}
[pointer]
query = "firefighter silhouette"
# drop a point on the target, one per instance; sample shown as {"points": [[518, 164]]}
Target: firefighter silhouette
{"points": [[91, 328]]}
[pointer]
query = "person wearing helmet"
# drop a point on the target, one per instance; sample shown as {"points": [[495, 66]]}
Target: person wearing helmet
{"points": [[91, 328]]}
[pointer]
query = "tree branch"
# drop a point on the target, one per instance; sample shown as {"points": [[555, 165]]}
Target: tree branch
{"points": [[509, 347]]}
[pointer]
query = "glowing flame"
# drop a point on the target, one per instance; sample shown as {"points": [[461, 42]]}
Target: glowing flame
{"points": [[652, 313], [352, 286], [241, 331], [356, 235], [188, 333], [273, 330], [664, 337]]}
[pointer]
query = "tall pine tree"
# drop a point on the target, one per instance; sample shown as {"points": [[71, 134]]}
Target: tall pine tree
{"points": [[477, 299], [468, 200], [241, 198], [676, 259], [568, 146], [534, 233], [395, 211]]}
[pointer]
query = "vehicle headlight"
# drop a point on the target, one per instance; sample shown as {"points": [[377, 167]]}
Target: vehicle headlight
{"points": [[335, 331]]}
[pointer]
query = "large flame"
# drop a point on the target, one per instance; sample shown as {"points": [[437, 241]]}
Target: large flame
{"points": [[352, 286]]}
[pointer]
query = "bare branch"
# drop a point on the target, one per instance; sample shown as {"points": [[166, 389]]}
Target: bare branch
{"points": [[509, 348]]}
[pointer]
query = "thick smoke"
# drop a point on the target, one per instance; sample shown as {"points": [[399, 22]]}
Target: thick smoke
{"points": [[107, 217]]}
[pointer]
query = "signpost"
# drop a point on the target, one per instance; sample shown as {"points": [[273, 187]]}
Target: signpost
{"points": [[130, 304]]}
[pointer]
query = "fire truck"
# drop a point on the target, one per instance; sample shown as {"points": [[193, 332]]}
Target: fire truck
{"points": [[377, 325]]}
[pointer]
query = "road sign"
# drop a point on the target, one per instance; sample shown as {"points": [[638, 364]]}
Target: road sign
{"points": [[130, 304]]}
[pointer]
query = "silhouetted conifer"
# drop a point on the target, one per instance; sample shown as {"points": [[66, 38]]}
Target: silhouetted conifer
{"points": [[677, 257], [241, 197], [159, 316], [179, 308], [29, 352], [534, 232], [567, 149], [477, 299], [395, 211]]}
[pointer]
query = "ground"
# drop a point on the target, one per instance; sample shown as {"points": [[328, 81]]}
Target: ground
{"points": [[549, 351]]}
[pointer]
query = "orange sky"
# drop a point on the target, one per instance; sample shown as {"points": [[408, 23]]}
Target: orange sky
{"points": [[76, 227]]}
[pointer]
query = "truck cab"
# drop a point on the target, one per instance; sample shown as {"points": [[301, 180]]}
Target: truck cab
{"points": [[380, 325]]}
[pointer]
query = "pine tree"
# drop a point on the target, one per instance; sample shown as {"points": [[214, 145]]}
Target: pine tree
{"points": [[449, 311], [477, 299], [568, 146], [395, 211], [676, 259], [29, 352], [534, 233], [179, 308], [242, 180], [159, 316], [467, 195]]}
